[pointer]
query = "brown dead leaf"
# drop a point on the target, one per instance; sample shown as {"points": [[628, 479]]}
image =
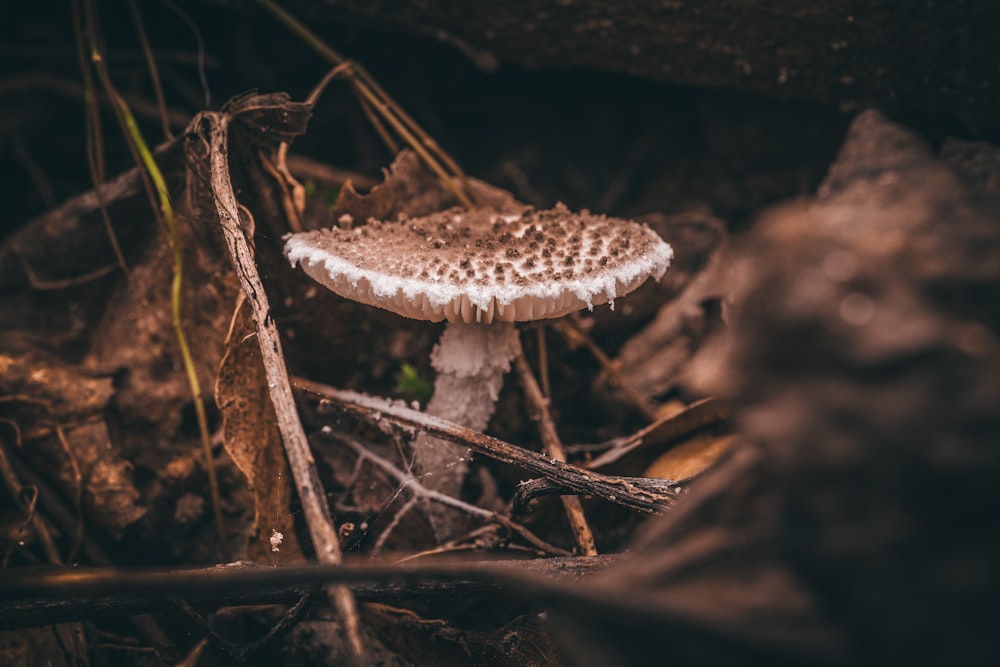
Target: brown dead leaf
{"points": [[640, 450], [411, 189], [59, 411], [45, 390], [251, 437], [137, 334], [692, 457]]}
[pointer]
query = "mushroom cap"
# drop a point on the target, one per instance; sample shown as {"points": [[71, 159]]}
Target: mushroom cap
{"points": [[480, 266]]}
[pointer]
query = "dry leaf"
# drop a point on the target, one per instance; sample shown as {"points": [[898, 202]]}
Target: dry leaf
{"points": [[251, 437], [60, 414], [412, 189], [638, 451], [691, 457]]}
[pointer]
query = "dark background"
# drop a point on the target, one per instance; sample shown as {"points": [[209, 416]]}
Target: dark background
{"points": [[553, 111]]}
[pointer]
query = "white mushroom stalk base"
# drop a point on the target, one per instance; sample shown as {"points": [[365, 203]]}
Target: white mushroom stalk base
{"points": [[470, 360]]}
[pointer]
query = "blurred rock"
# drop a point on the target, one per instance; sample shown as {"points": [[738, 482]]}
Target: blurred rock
{"points": [[856, 524]]}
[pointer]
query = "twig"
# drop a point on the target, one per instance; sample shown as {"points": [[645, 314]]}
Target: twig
{"points": [[376, 122], [196, 625], [74, 465], [38, 284], [553, 447], [293, 193], [51, 602], [239, 578], [214, 127], [634, 493], [77, 491], [408, 507], [305, 168], [18, 493], [542, 486], [410, 483], [94, 133]]}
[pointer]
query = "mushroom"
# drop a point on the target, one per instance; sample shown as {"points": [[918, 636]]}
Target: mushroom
{"points": [[481, 271]]}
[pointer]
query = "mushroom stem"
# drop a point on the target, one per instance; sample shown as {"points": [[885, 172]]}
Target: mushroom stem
{"points": [[471, 360]]}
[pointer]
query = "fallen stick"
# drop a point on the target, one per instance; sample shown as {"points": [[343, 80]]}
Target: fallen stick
{"points": [[653, 496], [214, 132]]}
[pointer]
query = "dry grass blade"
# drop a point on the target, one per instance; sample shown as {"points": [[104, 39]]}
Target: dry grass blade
{"points": [[159, 197], [94, 133], [375, 100]]}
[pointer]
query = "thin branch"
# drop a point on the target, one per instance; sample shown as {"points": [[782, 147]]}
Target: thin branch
{"points": [[93, 133], [19, 493], [639, 494], [239, 578], [293, 198], [41, 285], [553, 447], [376, 122], [214, 127], [669, 428], [48, 601], [410, 483], [396, 520]]}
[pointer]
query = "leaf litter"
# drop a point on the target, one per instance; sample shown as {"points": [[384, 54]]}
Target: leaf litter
{"points": [[112, 385]]}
